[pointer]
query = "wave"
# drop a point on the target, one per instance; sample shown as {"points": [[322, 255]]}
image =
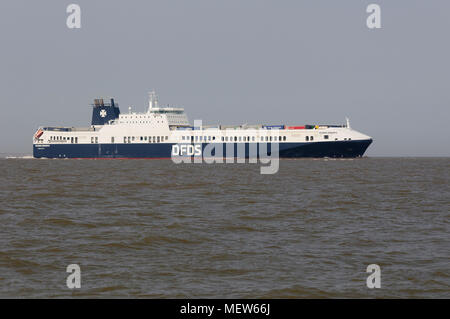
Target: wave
{"points": [[20, 157]]}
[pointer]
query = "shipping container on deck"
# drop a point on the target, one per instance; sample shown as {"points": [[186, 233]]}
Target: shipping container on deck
{"points": [[296, 127]]}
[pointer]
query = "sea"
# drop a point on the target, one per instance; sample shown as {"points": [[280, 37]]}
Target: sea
{"points": [[156, 229]]}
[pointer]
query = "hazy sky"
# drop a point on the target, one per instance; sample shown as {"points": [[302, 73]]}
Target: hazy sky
{"points": [[233, 62]]}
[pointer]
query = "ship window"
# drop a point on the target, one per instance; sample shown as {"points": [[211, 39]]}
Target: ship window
{"points": [[267, 138], [132, 138], [71, 139], [182, 138], [253, 138], [325, 137], [76, 140], [349, 139], [92, 139], [284, 138], [129, 139], [240, 138], [311, 138], [307, 138], [223, 138], [96, 139], [112, 139], [124, 139], [262, 138], [158, 139], [235, 138], [214, 138], [145, 138]]}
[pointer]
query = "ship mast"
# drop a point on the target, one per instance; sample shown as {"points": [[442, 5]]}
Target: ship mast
{"points": [[152, 100]]}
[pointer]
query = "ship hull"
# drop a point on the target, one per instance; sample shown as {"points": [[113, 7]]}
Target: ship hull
{"points": [[334, 149]]}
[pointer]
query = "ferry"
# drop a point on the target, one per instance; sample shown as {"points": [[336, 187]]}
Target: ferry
{"points": [[159, 132]]}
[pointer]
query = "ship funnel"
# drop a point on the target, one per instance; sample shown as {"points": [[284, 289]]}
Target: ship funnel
{"points": [[103, 112]]}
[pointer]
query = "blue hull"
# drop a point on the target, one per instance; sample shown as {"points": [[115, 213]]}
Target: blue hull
{"points": [[164, 150]]}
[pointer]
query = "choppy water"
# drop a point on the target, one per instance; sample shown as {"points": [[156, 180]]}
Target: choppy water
{"points": [[150, 228]]}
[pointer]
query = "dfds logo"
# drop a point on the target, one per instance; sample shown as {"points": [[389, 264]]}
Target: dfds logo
{"points": [[186, 150]]}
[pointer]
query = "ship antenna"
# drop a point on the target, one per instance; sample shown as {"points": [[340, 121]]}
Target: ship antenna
{"points": [[348, 122]]}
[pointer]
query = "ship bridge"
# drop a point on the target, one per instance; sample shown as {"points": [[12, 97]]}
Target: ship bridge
{"points": [[175, 115]]}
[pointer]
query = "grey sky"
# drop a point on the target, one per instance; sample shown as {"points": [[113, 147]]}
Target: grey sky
{"points": [[233, 62]]}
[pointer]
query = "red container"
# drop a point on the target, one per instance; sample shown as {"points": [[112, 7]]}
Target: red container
{"points": [[296, 127]]}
